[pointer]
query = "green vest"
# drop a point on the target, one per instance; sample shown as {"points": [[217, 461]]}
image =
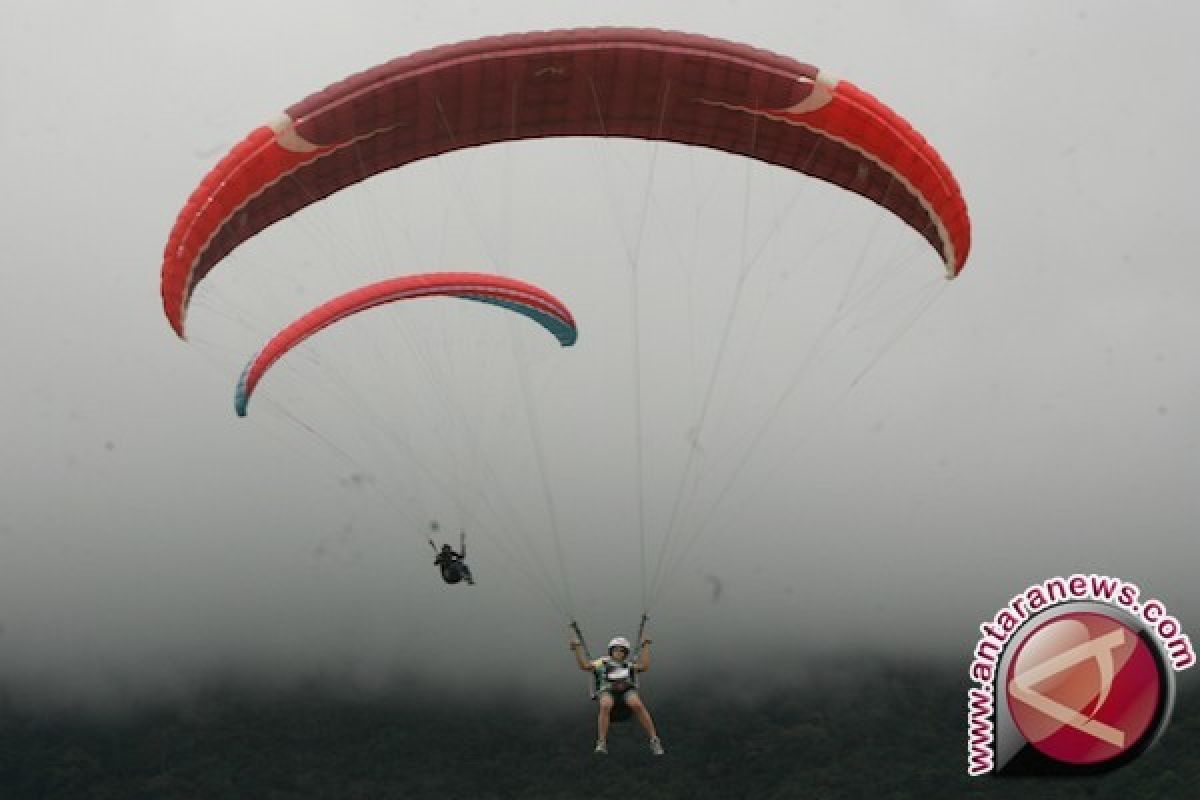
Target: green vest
{"points": [[607, 671]]}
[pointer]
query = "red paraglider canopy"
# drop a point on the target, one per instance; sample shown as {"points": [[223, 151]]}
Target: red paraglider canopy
{"points": [[499, 290], [622, 82]]}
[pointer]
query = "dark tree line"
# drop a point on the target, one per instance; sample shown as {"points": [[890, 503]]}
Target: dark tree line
{"points": [[861, 731]]}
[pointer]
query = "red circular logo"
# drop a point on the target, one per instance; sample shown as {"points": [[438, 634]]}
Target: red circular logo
{"points": [[1084, 688]]}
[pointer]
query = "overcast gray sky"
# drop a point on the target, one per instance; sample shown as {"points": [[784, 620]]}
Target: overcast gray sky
{"points": [[1040, 416]]}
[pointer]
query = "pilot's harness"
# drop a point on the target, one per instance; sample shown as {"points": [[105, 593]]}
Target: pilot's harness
{"points": [[634, 657]]}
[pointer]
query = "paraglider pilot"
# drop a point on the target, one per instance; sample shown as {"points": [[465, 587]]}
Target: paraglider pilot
{"points": [[616, 677], [452, 564]]}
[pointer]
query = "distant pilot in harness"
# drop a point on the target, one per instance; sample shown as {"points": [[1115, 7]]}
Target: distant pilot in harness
{"points": [[452, 564]]}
